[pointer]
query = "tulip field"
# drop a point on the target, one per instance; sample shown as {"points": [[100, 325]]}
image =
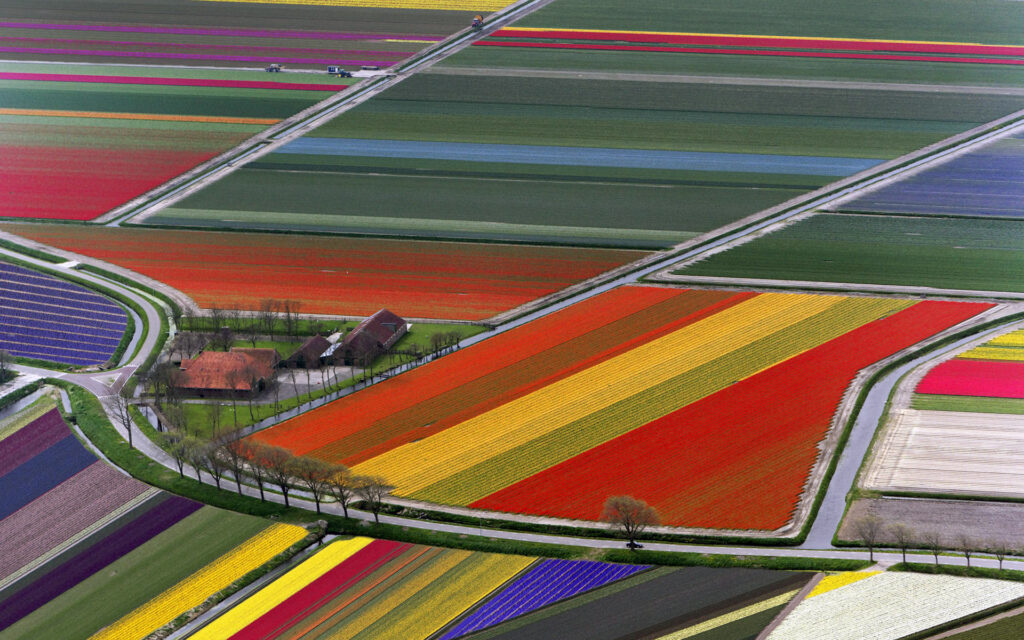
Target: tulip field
{"points": [[889, 606], [977, 397], [362, 588], [75, 144], [45, 318], [337, 275], [639, 373], [88, 548]]}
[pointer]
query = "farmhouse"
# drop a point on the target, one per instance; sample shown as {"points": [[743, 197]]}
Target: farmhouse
{"points": [[371, 337], [310, 355], [218, 373]]}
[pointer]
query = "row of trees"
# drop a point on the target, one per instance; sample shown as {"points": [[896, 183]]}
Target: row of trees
{"points": [[263, 322], [226, 457], [873, 532]]}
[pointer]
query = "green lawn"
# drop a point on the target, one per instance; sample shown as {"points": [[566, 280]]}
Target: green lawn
{"points": [[1011, 627], [284, 348], [986, 255], [139, 576], [200, 420], [928, 402]]}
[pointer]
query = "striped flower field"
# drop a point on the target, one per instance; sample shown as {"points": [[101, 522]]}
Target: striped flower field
{"points": [[45, 318], [74, 145], [362, 589], [87, 548], [637, 376], [337, 275], [756, 45]]}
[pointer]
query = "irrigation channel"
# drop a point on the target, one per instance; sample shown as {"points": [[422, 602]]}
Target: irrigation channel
{"points": [[824, 524]]}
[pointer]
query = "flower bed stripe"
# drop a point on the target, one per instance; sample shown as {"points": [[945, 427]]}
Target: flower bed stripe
{"points": [[214, 577], [749, 52], [833, 582], [731, 617], [547, 582], [433, 5], [176, 82], [88, 561], [92, 53], [610, 327], [849, 44], [244, 33], [1009, 354], [157, 117], [240, 616], [651, 403], [985, 378], [339, 275], [43, 472], [323, 590], [757, 439], [420, 464], [63, 512], [31, 440]]}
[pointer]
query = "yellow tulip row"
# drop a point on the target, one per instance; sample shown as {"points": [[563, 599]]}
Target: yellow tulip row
{"points": [[995, 353], [212, 578], [423, 463], [281, 589], [654, 402], [834, 581]]}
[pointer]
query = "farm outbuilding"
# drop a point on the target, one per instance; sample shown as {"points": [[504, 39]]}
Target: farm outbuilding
{"points": [[370, 338], [310, 355], [220, 374]]}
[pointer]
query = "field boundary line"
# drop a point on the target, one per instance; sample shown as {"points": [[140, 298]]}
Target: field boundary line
{"points": [[792, 604], [301, 123]]}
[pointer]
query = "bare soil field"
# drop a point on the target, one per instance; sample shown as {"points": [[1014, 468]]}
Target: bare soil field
{"points": [[983, 522]]}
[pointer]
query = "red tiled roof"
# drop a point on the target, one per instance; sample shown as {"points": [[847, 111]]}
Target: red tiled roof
{"points": [[238, 369]]}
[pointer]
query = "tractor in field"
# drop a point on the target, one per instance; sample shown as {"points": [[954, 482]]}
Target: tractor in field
{"points": [[478, 23], [273, 68]]}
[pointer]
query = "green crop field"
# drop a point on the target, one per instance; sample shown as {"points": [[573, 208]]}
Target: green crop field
{"points": [[139, 576], [627, 64], [989, 21], [985, 255], [971, 404]]}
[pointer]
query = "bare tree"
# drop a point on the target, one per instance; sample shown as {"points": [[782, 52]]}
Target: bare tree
{"points": [[267, 315], [295, 388], [903, 536], [290, 314], [932, 540], [234, 453], [1000, 549], [280, 464], [195, 453], [256, 452], [965, 545], [343, 486], [869, 529], [214, 463], [216, 319], [309, 386], [629, 516], [251, 375], [5, 365], [234, 378], [223, 338], [121, 403], [213, 412], [252, 330], [177, 446], [315, 475], [371, 490]]}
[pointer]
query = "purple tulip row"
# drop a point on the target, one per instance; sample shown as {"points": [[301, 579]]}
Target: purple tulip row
{"points": [[42, 288], [71, 317], [53, 355], [31, 440], [99, 345], [27, 277], [547, 582], [42, 472], [39, 323], [93, 557], [64, 512], [57, 302]]}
